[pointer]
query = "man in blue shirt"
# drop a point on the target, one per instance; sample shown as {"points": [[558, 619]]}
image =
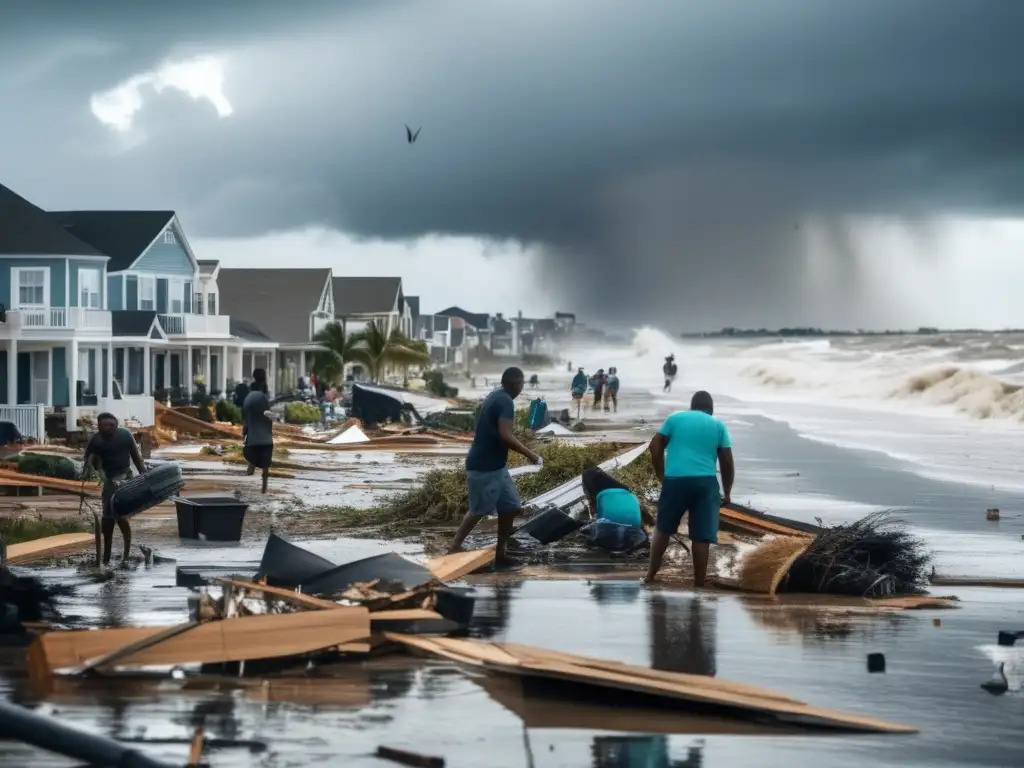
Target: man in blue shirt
{"points": [[491, 489], [684, 453]]}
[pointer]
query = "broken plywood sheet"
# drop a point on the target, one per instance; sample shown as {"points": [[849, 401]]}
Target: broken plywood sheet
{"points": [[459, 564], [671, 686], [391, 568], [238, 639], [288, 565], [49, 546]]}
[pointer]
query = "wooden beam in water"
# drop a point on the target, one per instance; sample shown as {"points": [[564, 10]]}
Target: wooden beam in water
{"points": [[48, 546]]}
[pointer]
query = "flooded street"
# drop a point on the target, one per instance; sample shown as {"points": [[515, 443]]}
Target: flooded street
{"points": [[340, 714], [346, 711]]}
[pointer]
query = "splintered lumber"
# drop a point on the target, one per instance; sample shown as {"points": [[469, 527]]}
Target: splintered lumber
{"points": [[414, 759], [53, 483], [185, 424], [195, 752], [455, 566], [673, 687], [756, 524], [48, 546], [216, 642], [124, 651], [289, 596]]}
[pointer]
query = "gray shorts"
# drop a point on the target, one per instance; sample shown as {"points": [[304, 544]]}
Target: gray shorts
{"points": [[492, 492]]}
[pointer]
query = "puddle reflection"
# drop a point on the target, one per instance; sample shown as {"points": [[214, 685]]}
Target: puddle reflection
{"points": [[683, 633], [641, 752]]}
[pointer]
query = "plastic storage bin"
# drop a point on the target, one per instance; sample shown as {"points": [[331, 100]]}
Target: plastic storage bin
{"points": [[213, 518]]}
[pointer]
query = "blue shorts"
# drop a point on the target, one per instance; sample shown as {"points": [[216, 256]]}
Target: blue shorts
{"points": [[492, 492], [697, 495]]}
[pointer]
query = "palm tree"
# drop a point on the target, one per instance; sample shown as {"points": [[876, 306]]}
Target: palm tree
{"points": [[337, 348], [379, 349]]}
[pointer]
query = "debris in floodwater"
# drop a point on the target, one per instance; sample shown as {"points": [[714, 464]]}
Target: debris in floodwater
{"points": [[403, 757], [1008, 637], [876, 662], [999, 684]]}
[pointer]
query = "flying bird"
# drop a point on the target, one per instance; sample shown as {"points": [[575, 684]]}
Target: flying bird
{"points": [[410, 135]]}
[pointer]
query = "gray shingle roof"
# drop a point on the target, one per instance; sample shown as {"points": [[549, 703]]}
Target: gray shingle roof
{"points": [[414, 305], [276, 301], [26, 229], [478, 320], [247, 331], [121, 235], [132, 322], [365, 295]]}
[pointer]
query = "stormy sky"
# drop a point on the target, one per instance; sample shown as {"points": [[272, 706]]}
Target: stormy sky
{"points": [[684, 163]]}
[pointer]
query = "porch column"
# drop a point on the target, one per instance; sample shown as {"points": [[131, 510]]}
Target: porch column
{"points": [[187, 372], [223, 371], [126, 385], [208, 370], [108, 382], [242, 375], [147, 353], [272, 373], [12, 372], [72, 417], [302, 362], [166, 372], [49, 377]]}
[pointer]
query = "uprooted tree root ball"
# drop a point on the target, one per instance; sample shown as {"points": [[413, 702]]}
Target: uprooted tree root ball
{"points": [[875, 556], [441, 496]]}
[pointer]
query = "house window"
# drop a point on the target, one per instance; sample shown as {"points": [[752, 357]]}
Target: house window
{"points": [[176, 296], [147, 292], [197, 302], [211, 303], [169, 238], [32, 284], [89, 288]]}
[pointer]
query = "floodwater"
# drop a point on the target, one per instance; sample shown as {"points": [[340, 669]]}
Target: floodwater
{"points": [[339, 715]]}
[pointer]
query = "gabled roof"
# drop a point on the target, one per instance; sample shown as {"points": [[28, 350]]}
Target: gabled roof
{"points": [[136, 322], [366, 295], [478, 320], [414, 305], [247, 331], [122, 235], [276, 301], [208, 266], [27, 230]]}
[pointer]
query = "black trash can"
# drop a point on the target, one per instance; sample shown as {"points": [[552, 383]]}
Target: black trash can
{"points": [[213, 518]]}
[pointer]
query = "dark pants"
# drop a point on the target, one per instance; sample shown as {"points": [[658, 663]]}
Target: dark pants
{"points": [[260, 456], [700, 497]]}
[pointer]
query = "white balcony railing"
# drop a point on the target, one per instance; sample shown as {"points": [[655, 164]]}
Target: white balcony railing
{"points": [[196, 325], [59, 318]]}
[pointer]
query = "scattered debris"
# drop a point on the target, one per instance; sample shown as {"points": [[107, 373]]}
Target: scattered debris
{"points": [[1008, 637], [876, 662], [999, 684], [992, 514], [351, 435], [50, 546], [409, 758], [763, 569]]}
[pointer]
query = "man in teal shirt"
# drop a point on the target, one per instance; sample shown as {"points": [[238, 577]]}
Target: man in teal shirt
{"points": [[684, 453]]}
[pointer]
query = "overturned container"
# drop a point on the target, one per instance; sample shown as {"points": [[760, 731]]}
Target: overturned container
{"points": [[210, 518]]}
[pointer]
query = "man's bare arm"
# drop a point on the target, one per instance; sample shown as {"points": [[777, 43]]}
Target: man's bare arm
{"points": [[657, 449], [506, 429], [137, 458], [728, 467]]}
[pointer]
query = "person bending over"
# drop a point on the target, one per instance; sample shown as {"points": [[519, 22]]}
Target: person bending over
{"points": [[112, 451], [258, 427], [684, 453], [491, 489]]}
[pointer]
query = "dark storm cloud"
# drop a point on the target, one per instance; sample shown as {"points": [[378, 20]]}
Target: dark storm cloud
{"points": [[672, 144]]}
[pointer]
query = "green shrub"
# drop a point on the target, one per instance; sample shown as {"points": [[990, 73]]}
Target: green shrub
{"points": [[228, 411], [48, 466], [301, 413], [15, 530], [435, 384]]}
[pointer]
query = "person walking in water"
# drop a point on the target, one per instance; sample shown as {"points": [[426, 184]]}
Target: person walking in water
{"points": [[258, 427], [579, 389], [112, 451], [491, 489], [684, 453], [598, 383], [670, 370], [611, 394]]}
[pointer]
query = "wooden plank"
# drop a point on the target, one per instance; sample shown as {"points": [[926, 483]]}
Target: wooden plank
{"points": [[455, 566], [965, 581], [713, 691], [117, 654], [297, 599], [196, 751], [756, 524], [407, 614], [48, 546], [239, 639], [915, 602], [53, 483]]}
